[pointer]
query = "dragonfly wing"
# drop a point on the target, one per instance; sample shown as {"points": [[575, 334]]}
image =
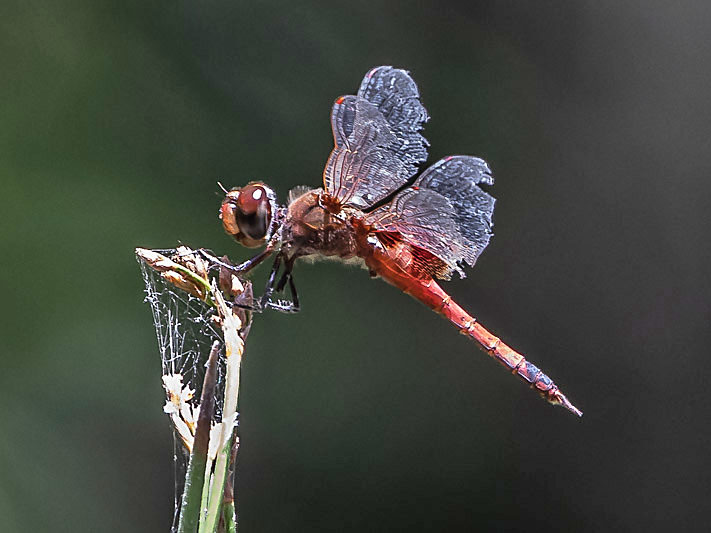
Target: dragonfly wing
{"points": [[377, 141], [396, 96], [425, 220], [343, 119], [444, 212], [361, 168], [457, 178]]}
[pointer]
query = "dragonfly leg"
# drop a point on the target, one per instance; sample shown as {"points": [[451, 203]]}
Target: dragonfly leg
{"points": [[269, 288], [265, 301], [258, 306], [284, 307], [288, 267], [294, 296], [242, 268], [287, 277]]}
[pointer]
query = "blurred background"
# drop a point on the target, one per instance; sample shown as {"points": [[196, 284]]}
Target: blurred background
{"points": [[365, 412]]}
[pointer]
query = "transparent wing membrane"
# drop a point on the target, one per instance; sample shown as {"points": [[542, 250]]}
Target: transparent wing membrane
{"points": [[377, 141], [444, 212], [364, 169], [395, 95], [457, 178], [425, 219], [342, 119], [378, 147]]}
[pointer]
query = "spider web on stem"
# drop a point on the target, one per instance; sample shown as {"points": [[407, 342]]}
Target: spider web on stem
{"points": [[185, 328]]}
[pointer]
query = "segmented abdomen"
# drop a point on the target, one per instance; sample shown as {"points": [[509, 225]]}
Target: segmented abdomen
{"points": [[432, 295]]}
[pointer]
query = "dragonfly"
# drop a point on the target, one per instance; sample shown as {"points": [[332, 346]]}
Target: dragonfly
{"points": [[375, 210]]}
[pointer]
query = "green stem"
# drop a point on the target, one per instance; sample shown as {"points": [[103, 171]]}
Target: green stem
{"points": [[230, 515], [196, 279], [205, 492], [217, 487], [194, 477]]}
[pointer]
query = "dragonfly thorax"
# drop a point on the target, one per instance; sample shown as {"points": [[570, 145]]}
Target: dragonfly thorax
{"points": [[309, 228]]}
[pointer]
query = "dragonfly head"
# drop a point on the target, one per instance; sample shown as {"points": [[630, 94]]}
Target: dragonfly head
{"points": [[248, 214]]}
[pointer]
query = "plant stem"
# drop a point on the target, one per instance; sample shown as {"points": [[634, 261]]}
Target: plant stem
{"points": [[194, 477], [205, 492], [229, 515], [234, 348]]}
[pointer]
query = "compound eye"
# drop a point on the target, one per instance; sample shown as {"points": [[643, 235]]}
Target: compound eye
{"points": [[253, 212]]}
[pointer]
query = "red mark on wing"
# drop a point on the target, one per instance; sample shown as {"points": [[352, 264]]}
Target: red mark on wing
{"points": [[340, 100]]}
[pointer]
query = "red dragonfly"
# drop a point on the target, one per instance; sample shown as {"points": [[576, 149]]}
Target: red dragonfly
{"points": [[373, 210]]}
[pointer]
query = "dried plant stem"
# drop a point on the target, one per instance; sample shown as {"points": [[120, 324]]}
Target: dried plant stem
{"points": [[234, 347]]}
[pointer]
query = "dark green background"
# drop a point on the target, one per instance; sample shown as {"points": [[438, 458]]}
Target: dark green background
{"points": [[365, 412]]}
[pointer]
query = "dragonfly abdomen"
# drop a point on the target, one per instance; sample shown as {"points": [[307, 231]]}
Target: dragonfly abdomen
{"points": [[443, 304], [513, 361], [432, 295]]}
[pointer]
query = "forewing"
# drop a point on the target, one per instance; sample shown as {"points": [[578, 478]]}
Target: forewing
{"points": [[444, 212], [377, 141], [396, 96], [343, 119], [362, 168]]}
